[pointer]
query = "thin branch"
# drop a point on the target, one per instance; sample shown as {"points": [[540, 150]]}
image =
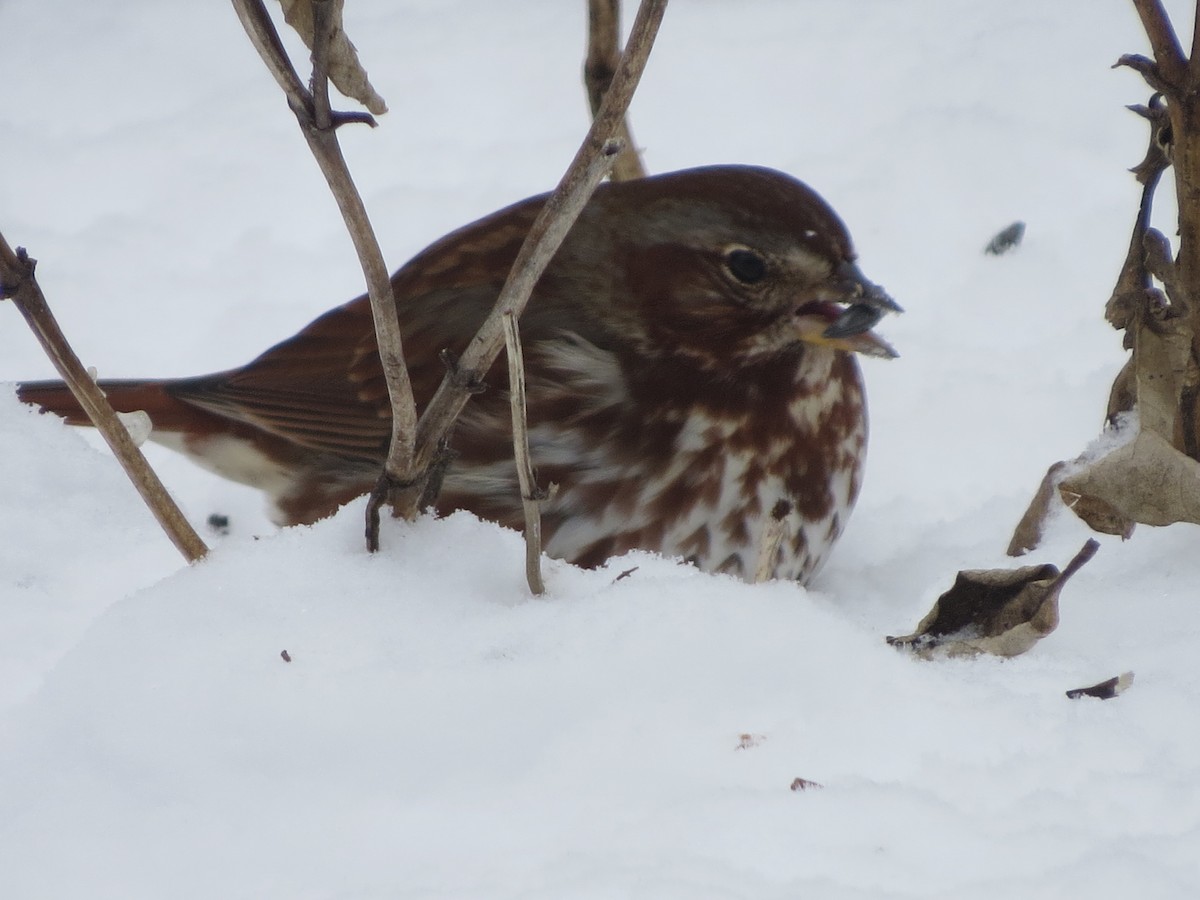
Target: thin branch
{"points": [[319, 86], [1078, 561], [265, 38], [531, 494], [1168, 54], [1193, 64], [1128, 297], [1148, 69], [318, 125], [543, 240], [17, 281], [603, 56], [587, 169]]}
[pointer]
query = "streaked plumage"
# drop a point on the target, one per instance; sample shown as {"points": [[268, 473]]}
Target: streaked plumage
{"points": [[689, 370]]}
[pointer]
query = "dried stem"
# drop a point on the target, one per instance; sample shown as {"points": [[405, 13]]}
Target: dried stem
{"points": [[417, 446], [591, 163], [543, 240], [1193, 66], [19, 283], [266, 41], [1078, 561], [319, 85], [531, 494], [603, 55], [1168, 54], [319, 127]]}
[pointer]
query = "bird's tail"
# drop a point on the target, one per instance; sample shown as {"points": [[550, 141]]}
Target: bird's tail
{"points": [[165, 411]]}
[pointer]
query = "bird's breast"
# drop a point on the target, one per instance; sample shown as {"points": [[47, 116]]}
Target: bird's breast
{"points": [[758, 488]]}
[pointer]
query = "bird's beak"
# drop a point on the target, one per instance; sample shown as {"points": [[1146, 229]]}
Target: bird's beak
{"points": [[849, 306]]}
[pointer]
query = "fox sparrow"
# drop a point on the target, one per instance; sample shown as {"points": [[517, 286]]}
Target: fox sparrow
{"points": [[690, 364]]}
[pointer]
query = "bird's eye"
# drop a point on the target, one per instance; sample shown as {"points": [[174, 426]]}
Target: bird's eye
{"points": [[746, 266]]}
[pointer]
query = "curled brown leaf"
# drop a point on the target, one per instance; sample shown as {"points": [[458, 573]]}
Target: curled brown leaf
{"points": [[1003, 612], [1106, 689]]}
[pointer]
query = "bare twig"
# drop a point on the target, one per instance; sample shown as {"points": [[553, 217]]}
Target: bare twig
{"points": [[1193, 65], [1078, 561], [603, 55], [1168, 54], [319, 86], [531, 494], [1128, 297], [318, 125], [342, 65], [261, 29], [587, 169], [1147, 68], [410, 493], [416, 446], [17, 281]]}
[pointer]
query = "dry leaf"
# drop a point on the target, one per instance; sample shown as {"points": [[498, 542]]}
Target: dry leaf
{"points": [[1146, 480], [999, 611], [746, 741], [1006, 240], [345, 71], [1105, 690], [803, 784], [1162, 360], [1100, 515], [1028, 533]]}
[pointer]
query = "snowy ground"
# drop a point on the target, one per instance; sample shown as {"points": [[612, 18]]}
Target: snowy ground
{"points": [[440, 734]]}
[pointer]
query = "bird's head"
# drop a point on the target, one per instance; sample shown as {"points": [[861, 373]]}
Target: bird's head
{"points": [[731, 263]]}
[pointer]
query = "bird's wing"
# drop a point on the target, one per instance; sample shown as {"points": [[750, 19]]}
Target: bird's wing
{"points": [[324, 388]]}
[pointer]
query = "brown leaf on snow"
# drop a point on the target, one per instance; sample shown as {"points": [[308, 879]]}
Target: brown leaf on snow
{"points": [[803, 784], [999, 611], [1153, 478], [1105, 690], [1028, 533], [345, 71], [1146, 480]]}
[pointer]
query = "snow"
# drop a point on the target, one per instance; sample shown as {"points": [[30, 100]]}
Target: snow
{"points": [[438, 733]]}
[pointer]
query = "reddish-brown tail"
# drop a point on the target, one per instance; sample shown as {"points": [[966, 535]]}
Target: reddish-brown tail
{"points": [[166, 412]]}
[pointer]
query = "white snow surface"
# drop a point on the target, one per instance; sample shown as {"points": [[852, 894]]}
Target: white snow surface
{"points": [[438, 732]]}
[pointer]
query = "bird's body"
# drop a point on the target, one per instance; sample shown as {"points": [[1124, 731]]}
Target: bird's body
{"points": [[689, 379]]}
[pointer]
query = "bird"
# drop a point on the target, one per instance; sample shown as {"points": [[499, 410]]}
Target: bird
{"points": [[691, 376]]}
